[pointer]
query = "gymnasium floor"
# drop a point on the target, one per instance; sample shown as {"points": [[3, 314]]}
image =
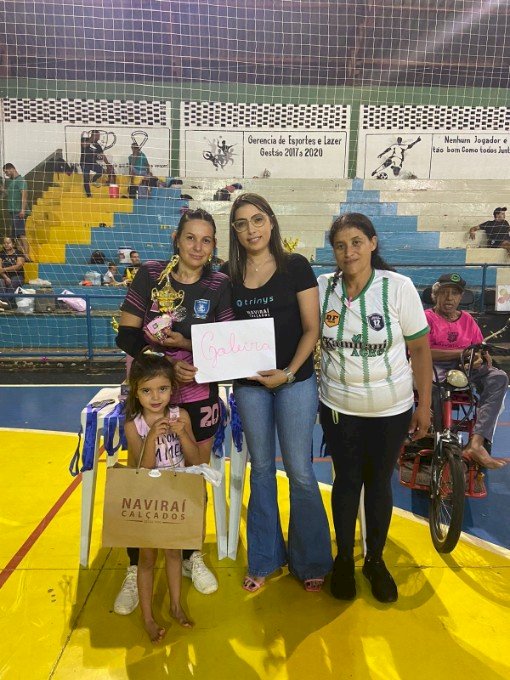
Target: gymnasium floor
{"points": [[56, 620]]}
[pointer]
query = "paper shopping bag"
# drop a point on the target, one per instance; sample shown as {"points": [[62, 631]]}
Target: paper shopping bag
{"points": [[144, 511]]}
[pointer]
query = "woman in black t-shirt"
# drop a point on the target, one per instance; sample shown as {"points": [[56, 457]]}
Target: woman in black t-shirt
{"points": [[267, 282]]}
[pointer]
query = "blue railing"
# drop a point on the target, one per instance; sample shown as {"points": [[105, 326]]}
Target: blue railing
{"points": [[85, 334], [480, 276], [89, 334]]}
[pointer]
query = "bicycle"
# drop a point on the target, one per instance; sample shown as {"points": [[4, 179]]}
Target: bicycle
{"points": [[437, 465]]}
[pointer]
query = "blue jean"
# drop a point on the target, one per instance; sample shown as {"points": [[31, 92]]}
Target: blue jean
{"points": [[291, 412], [491, 385], [18, 225]]}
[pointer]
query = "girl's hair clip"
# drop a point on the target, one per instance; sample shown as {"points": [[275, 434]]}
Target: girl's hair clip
{"points": [[152, 353]]}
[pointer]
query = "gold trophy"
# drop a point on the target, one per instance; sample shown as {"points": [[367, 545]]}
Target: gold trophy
{"points": [[169, 302], [290, 244]]}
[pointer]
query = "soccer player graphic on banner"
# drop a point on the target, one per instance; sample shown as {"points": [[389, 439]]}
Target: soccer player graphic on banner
{"points": [[395, 159]]}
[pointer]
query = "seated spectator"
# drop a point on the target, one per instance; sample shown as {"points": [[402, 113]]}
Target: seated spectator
{"points": [[233, 187], [224, 194], [147, 184], [130, 271], [451, 331], [138, 163], [497, 230], [138, 167], [109, 279], [12, 273]]}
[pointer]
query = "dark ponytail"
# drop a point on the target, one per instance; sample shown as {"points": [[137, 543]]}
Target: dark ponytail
{"points": [[335, 279]]}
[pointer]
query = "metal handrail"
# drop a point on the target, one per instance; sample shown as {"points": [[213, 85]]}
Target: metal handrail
{"points": [[90, 351], [483, 266]]}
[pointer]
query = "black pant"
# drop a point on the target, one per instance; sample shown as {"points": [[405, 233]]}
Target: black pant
{"points": [[134, 553], [16, 280], [364, 453], [87, 168]]}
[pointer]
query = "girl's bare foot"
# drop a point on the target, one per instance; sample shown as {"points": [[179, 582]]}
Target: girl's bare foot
{"points": [[180, 616], [154, 631]]}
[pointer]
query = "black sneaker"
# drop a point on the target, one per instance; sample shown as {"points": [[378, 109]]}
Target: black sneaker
{"points": [[384, 587], [343, 585]]}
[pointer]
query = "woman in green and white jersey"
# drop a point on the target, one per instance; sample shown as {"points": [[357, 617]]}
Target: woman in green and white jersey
{"points": [[370, 316]]}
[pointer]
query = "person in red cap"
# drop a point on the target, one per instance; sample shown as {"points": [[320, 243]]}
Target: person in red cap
{"points": [[451, 331]]}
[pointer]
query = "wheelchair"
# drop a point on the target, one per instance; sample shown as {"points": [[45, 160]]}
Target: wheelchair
{"points": [[435, 464]]}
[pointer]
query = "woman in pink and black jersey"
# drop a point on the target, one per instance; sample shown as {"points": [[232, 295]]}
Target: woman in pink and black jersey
{"points": [[195, 295]]}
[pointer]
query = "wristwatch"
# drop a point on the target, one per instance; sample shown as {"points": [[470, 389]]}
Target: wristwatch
{"points": [[290, 375]]}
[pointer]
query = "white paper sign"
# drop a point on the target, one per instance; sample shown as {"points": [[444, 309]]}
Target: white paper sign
{"points": [[503, 299], [233, 349]]}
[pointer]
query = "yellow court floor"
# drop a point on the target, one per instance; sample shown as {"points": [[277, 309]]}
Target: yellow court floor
{"points": [[56, 620]]}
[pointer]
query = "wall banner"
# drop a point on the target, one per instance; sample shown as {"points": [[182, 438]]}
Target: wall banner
{"points": [[36, 128], [434, 142], [116, 142], [248, 140]]}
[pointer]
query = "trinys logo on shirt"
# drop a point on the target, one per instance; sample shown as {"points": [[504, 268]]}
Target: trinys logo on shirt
{"points": [[332, 318], [251, 302]]}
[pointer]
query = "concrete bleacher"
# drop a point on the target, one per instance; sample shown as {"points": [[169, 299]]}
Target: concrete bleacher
{"points": [[419, 222], [445, 208], [305, 210], [66, 227]]}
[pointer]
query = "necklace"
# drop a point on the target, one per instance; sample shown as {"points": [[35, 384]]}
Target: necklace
{"points": [[261, 264]]}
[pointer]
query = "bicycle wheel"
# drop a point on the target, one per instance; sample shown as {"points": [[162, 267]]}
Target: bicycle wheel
{"points": [[447, 489]]}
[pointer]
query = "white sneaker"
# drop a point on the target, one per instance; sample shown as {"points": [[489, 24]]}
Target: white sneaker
{"points": [[127, 599], [203, 578], [4, 305]]}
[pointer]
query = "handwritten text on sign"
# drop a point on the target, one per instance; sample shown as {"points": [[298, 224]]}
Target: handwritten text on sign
{"points": [[233, 349]]}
